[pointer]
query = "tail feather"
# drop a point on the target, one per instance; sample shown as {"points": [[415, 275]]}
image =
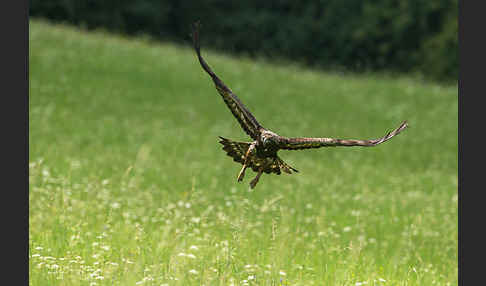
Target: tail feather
{"points": [[286, 167]]}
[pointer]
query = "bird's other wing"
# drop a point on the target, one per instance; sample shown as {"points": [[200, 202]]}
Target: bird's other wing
{"points": [[307, 143], [242, 114]]}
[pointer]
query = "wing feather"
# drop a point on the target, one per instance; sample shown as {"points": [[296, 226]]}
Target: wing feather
{"points": [[308, 143], [247, 121], [237, 151]]}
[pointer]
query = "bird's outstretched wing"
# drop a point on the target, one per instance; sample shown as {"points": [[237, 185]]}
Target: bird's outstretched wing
{"points": [[307, 143], [242, 114]]}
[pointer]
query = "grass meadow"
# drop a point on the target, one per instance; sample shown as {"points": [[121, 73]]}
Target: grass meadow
{"points": [[128, 184]]}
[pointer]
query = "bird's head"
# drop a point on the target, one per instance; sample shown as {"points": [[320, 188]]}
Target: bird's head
{"points": [[269, 139]]}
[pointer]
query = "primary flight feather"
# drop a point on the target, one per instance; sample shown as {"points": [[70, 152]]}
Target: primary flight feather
{"points": [[261, 154]]}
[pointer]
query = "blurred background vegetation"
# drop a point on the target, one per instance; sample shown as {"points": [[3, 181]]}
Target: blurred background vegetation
{"points": [[413, 36]]}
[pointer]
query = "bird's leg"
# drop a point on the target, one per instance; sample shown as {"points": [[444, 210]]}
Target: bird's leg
{"points": [[255, 180], [245, 164], [242, 173]]}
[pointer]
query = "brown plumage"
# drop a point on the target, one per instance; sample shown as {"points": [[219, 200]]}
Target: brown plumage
{"points": [[261, 154]]}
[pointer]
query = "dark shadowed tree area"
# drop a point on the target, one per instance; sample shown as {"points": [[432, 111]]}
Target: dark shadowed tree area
{"points": [[379, 35]]}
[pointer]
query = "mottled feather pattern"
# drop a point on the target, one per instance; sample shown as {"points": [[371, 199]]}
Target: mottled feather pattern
{"points": [[308, 143], [244, 117], [237, 151], [247, 121]]}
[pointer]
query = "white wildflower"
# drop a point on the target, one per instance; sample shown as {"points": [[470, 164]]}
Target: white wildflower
{"points": [[115, 205], [193, 271]]}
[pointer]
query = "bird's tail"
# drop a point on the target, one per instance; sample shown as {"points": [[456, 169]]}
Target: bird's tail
{"points": [[285, 167]]}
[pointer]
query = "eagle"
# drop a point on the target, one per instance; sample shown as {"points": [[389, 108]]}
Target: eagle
{"points": [[260, 155]]}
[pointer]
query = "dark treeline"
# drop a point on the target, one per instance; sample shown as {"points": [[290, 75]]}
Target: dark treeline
{"points": [[390, 35]]}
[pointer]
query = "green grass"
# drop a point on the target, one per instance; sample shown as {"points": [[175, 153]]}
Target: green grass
{"points": [[129, 185]]}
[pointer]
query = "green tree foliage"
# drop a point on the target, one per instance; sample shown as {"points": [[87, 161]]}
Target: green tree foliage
{"points": [[394, 35]]}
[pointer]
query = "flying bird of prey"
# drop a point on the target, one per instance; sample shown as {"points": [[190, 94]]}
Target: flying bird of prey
{"points": [[261, 154]]}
